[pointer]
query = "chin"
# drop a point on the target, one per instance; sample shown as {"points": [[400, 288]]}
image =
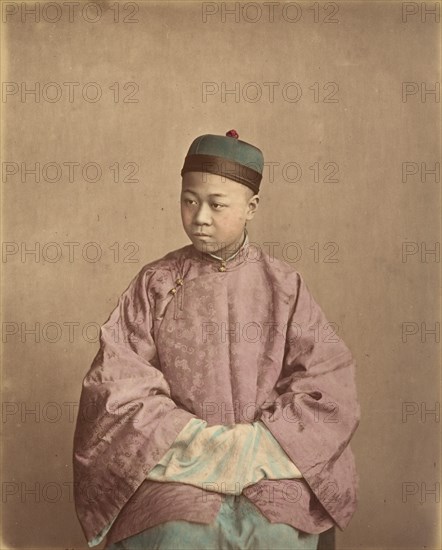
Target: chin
{"points": [[204, 246]]}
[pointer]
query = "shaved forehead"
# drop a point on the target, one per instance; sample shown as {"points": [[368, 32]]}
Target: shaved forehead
{"points": [[222, 186]]}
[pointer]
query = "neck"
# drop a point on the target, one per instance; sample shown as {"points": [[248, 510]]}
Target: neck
{"points": [[227, 253]]}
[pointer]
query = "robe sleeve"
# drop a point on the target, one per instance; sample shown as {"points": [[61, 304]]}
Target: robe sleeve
{"points": [[224, 459], [313, 411], [126, 419]]}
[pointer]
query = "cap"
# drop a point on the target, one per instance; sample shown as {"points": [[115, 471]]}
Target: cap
{"points": [[227, 156]]}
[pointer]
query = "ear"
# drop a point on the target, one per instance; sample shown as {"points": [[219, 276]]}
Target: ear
{"points": [[252, 207]]}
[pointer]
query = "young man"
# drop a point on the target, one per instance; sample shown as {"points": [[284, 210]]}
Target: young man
{"points": [[218, 411]]}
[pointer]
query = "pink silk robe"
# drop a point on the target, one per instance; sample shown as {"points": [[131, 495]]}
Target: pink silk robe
{"points": [[233, 343]]}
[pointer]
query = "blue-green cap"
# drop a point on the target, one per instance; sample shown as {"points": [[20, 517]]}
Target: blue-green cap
{"points": [[227, 156]]}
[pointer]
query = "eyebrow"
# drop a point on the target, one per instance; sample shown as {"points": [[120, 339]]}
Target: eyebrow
{"points": [[211, 194]]}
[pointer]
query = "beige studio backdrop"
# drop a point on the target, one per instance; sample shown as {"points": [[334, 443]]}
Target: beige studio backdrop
{"points": [[101, 101]]}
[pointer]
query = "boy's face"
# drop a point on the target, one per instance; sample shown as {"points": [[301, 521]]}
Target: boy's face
{"points": [[217, 206]]}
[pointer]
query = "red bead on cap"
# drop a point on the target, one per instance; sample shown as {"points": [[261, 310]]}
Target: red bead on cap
{"points": [[232, 133]]}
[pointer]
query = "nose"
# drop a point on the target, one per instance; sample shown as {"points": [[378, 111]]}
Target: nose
{"points": [[203, 215]]}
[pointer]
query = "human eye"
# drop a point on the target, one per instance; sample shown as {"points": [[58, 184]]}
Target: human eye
{"points": [[215, 204], [186, 200]]}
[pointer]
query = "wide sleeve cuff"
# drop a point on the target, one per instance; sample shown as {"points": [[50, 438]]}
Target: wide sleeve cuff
{"points": [[224, 459]]}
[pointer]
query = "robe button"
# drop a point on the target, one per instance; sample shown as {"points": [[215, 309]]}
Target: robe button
{"points": [[179, 281], [173, 291], [222, 268]]}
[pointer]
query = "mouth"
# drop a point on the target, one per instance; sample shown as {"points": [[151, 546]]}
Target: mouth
{"points": [[200, 235]]}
